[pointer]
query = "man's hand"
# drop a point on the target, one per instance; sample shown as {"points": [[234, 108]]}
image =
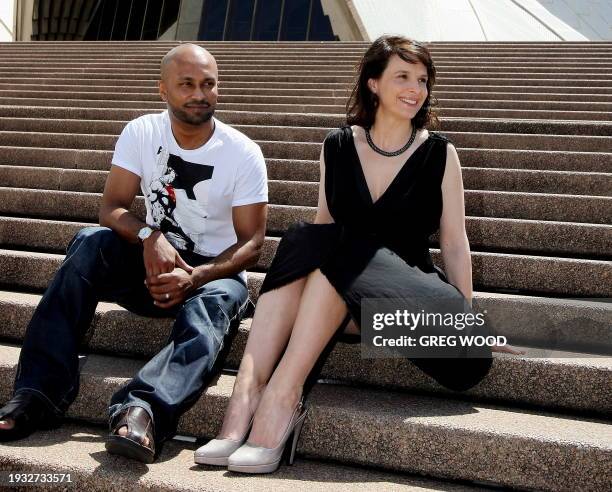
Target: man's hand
{"points": [[169, 289], [161, 257]]}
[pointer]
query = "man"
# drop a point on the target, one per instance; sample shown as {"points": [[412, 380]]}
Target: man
{"points": [[205, 191]]}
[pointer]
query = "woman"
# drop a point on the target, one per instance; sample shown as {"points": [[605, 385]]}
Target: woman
{"points": [[377, 208]]}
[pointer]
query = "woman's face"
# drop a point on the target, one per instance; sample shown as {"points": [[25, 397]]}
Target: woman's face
{"points": [[402, 88]]}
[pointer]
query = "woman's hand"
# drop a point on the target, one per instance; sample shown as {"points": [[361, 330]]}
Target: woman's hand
{"points": [[508, 349]]}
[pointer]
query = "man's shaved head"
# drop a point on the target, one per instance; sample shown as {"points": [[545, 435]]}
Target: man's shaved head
{"points": [[188, 83], [187, 53]]}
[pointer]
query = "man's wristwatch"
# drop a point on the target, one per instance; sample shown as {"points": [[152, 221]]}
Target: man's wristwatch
{"points": [[145, 233]]}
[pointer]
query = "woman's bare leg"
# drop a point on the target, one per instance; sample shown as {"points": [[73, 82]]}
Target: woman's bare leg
{"points": [[273, 320], [352, 328], [320, 313]]}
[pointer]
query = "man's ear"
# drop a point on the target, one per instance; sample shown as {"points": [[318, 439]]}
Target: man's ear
{"points": [[162, 91]]}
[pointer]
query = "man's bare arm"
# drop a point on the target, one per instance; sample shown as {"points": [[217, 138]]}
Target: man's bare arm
{"points": [[249, 221], [119, 193], [250, 226]]}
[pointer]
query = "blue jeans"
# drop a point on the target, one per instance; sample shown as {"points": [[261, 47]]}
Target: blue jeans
{"points": [[100, 265]]}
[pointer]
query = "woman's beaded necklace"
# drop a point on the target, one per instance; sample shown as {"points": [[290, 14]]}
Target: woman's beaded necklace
{"points": [[380, 151]]}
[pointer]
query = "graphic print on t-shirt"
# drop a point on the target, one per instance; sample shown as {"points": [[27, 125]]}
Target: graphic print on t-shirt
{"points": [[178, 197]]}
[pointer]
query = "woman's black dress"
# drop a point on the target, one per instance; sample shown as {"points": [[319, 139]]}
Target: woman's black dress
{"points": [[379, 249]]}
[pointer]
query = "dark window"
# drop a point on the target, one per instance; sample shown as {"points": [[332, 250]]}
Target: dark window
{"points": [[121, 19], [261, 20], [295, 20], [320, 26], [267, 20], [240, 19], [169, 15], [213, 20], [151, 20], [106, 21], [122, 12], [135, 21]]}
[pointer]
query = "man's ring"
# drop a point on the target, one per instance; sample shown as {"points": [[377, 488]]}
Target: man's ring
{"points": [[167, 296]]}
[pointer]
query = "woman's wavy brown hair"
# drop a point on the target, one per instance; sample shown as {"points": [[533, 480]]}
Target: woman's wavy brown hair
{"points": [[362, 104]]}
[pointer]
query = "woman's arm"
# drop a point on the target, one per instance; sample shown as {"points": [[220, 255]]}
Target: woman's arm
{"points": [[323, 215], [453, 238]]}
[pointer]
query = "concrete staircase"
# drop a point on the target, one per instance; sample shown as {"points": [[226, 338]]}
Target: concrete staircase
{"points": [[533, 126]]}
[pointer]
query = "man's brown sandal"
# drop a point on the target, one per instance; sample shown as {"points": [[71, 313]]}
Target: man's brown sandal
{"points": [[139, 425], [29, 413]]}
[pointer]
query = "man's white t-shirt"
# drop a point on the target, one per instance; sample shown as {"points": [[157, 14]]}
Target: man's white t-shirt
{"points": [[189, 194]]}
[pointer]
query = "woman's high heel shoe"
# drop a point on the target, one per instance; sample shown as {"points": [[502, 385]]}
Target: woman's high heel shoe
{"points": [[257, 459], [217, 451]]}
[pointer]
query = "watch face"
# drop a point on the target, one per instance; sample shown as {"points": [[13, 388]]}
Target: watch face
{"points": [[144, 233]]}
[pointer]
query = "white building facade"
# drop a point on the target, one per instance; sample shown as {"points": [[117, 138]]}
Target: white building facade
{"points": [[7, 20], [344, 20], [485, 20]]}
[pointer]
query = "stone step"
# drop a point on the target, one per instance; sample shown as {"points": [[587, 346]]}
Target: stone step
{"points": [[479, 203], [133, 101], [274, 46], [151, 62], [444, 65], [448, 56], [306, 177], [455, 45], [555, 45], [502, 272], [462, 46], [488, 234], [50, 122], [477, 178], [281, 69], [301, 178], [444, 60], [78, 449], [307, 87], [455, 53], [298, 96], [486, 177], [269, 79], [526, 114], [546, 378], [398, 431], [484, 203], [295, 140], [45, 265], [527, 105], [229, 58], [324, 109], [567, 239], [544, 89], [234, 95], [336, 48], [498, 204], [470, 157], [452, 112], [510, 95]]}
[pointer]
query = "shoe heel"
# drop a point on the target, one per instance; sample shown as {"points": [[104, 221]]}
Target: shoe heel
{"points": [[295, 437]]}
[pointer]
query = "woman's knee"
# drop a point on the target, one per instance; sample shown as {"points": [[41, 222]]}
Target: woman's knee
{"points": [[285, 295]]}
